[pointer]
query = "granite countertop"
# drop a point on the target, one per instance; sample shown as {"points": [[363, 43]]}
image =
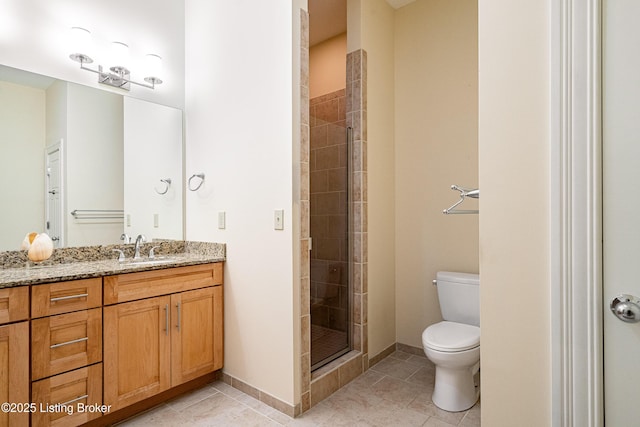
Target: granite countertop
{"points": [[98, 261]]}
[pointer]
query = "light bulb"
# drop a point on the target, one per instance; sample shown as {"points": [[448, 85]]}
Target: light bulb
{"points": [[153, 69], [119, 58], [80, 39]]}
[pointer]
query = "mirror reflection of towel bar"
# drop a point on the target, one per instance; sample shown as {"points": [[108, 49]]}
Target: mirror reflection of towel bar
{"points": [[97, 214], [196, 175]]}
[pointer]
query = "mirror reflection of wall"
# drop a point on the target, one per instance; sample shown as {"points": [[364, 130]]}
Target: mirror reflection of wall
{"points": [[151, 154], [113, 152]]}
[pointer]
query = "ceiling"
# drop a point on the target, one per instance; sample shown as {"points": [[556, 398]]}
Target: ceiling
{"points": [[328, 18]]}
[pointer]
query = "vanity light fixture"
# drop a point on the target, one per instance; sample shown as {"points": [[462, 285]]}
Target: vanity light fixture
{"points": [[118, 75]]}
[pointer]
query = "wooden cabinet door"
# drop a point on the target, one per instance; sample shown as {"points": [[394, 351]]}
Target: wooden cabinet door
{"points": [[137, 348], [196, 336], [14, 372], [65, 342], [63, 400]]}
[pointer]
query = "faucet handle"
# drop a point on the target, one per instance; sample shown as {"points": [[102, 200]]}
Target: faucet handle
{"points": [[121, 256], [152, 254], [126, 238]]}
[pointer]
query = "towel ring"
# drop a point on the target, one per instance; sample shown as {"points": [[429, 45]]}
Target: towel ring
{"points": [[167, 182], [196, 175]]}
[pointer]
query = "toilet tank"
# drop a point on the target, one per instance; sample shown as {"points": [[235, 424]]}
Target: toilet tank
{"points": [[459, 296]]}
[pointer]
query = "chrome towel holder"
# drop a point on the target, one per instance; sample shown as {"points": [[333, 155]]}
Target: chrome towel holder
{"points": [[464, 193], [167, 183], [196, 175]]}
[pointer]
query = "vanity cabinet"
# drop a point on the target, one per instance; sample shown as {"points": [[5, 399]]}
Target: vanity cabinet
{"points": [[66, 351], [14, 355], [164, 328]]}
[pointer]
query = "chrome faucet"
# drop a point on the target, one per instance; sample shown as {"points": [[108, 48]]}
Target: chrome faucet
{"points": [[139, 239], [126, 238]]}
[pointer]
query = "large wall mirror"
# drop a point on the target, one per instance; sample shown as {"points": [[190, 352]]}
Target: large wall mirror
{"points": [[86, 165]]}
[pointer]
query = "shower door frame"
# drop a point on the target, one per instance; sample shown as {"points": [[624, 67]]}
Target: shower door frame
{"points": [[349, 233]]}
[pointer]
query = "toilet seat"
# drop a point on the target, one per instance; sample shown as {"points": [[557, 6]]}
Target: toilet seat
{"points": [[451, 337]]}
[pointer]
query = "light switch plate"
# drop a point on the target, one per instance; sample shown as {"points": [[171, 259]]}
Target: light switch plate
{"points": [[222, 220], [278, 219]]}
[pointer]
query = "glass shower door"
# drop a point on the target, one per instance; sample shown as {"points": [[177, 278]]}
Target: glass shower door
{"points": [[329, 215]]}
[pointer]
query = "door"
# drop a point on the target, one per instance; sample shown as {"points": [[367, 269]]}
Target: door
{"points": [[53, 196], [136, 351], [621, 206], [14, 372], [196, 335]]}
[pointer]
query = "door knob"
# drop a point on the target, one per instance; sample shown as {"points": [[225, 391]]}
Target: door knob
{"points": [[626, 308]]}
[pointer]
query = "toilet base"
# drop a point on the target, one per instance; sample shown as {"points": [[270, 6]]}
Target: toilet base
{"points": [[455, 389]]}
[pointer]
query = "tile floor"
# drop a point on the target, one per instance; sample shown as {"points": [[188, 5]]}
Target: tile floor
{"points": [[396, 391]]}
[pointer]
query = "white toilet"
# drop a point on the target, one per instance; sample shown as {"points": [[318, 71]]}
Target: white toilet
{"points": [[453, 345]]}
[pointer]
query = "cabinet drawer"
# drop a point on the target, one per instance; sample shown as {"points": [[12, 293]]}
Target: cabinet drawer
{"points": [[146, 284], [65, 342], [68, 399], [14, 304], [65, 297]]}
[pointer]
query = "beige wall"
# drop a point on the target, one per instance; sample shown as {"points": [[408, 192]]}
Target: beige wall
{"points": [[22, 138], [328, 66], [514, 244], [240, 131], [373, 32], [436, 146]]}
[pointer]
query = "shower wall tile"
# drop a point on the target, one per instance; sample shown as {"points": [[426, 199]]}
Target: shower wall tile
{"points": [[356, 100], [319, 181], [324, 386], [304, 143], [306, 372], [304, 255], [328, 111], [357, 308], [319, 136], [305, 296], [304, 72], [304, 106], [350, 370], [305, 326], [357, 278], [304, 184], [365, 280], [337, 226], [336, 132], [327, 157], [304, 198], [357, 337]]}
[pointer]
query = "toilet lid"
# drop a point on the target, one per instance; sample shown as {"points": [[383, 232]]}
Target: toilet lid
{"points": [[451, 336]]}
